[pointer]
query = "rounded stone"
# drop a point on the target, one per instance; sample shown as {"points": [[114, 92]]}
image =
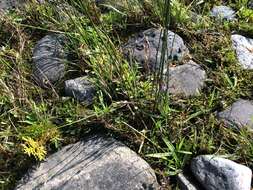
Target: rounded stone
{"points": [[223, 12], [81, 89], [98, 163], [219, 173], [239, 114], [145, 48], [49, 58], [244, 50], [186, 80]]}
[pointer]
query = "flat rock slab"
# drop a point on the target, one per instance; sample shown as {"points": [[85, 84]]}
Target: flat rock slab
{"points": [[239, 114], [244, 50], [49, 58], [81, 89], [145, 48], [223, 12], [219, 173], [186, 80], [96, 164]]}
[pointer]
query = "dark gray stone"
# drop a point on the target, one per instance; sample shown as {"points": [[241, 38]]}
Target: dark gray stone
{"points": [[81, 89], [240, 114], [146, 47], [98, 163], [186, 80], [250, 4], [222, 174], [244, 50], [49, 58], [185, 183], [223, 12]]}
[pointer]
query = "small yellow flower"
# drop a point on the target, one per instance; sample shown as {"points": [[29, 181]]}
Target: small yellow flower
{"points": [[34, 148]]}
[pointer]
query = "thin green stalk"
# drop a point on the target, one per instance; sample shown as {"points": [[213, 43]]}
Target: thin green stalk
{"points": [[159, 74]]}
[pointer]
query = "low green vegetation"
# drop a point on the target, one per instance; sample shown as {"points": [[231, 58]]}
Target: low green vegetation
{"points": [[167, 132]]}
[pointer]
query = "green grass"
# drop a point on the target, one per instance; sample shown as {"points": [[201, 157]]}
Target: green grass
{"points": [[167, 133]]}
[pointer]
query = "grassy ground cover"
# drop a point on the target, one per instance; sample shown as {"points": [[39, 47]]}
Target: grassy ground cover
{"points": [[168, 132]]}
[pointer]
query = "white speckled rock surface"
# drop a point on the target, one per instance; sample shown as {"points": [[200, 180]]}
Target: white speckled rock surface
{"points": [[216, 173], [244, 50]]}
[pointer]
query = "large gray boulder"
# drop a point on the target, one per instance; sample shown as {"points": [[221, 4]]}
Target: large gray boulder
{"points": [[239, 114], [81, 89], [186, 80], [98, 163], [145, 48], [223, 12], [49, 57], [244, 50], [216, 173]]}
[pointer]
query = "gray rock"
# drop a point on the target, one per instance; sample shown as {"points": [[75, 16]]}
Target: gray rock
{"points": [[250, 4], [185, 183], [49, 58], [240, 114], [64, 11], [223, 12], [216, 173], [186, 80], [96, 164], [10, 4], [81, 89], [244, 50], [146, 47]]}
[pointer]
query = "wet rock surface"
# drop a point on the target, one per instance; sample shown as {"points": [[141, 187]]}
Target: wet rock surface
{"points": [[244, 50], [98, 163], [186, 80], [145, 48], [219, 173], [81, 89], [49, 57], [223, 12], [239, 114]]}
